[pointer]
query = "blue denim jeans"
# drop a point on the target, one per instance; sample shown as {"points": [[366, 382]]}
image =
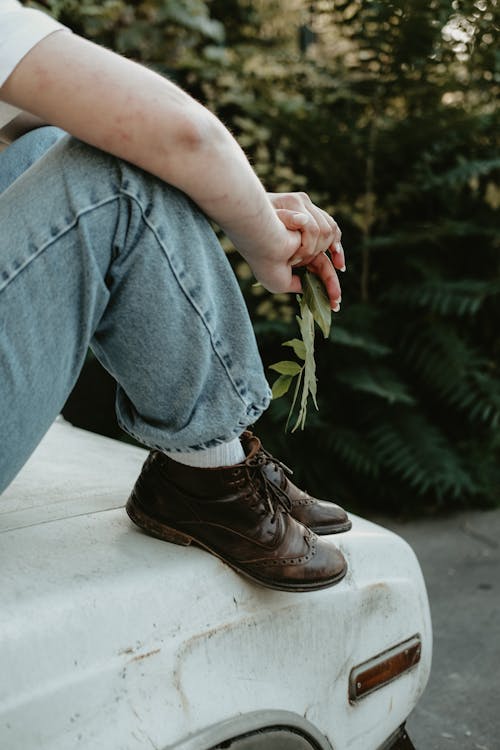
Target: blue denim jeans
{"points": [[96, 253]]}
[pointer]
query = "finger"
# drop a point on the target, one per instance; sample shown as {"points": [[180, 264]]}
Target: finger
{"points": [[295, 284], [336, 250], [323, 268], [293, 220], [338, 256], [290, 285], [278, 278], [319, 230], [301, 202], [320, 234], [317, 233], [336, 245], [333, 224]]}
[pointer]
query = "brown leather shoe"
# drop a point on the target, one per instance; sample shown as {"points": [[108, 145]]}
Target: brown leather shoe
{"points": [[237, 514], [322, 517]]}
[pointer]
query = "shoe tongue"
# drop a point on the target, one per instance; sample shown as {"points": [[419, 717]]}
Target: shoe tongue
{"points": [[251, 446]]}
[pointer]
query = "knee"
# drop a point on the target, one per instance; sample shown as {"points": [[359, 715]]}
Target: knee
{"points": [[41, 139], [159, 202]]}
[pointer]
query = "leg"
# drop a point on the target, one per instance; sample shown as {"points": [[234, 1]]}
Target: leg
{"points": [[24, 152], [95, 252]]}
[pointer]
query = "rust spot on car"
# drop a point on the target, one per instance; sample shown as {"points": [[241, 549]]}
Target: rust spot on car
{"points": [[139, 657]]}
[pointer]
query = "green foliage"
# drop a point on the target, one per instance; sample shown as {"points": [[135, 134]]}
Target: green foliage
{"points": [[389, 122], [447, 298], [317, 301], [157, 32], [314, 307]]}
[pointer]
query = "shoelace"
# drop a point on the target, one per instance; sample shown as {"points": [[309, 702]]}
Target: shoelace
{"points": [[270, 459], [275, 497]]}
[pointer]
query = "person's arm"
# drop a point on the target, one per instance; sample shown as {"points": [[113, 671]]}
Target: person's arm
{"points": [[129, 111], [20, 125]]}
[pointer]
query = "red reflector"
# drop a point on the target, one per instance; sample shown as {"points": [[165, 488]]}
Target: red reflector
{"points": [[382, 669]]}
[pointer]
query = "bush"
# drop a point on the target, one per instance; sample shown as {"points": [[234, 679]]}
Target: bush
{"points": [[387, 119]]}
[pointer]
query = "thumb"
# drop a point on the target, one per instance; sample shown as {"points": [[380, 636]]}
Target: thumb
{"points": [[295, 284], [292, 219]]}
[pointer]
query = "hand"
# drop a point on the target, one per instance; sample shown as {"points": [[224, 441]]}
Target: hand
{"points": [[270, 259], [320, 249]]}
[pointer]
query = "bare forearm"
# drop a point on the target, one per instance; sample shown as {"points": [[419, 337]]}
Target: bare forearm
{"points": [[130, 111]]}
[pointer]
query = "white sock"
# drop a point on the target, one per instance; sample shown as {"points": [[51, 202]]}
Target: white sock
{"points": [[225, 454]]}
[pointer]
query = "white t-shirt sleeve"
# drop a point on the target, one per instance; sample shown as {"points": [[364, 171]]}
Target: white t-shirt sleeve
{"points": [[20, 30]]}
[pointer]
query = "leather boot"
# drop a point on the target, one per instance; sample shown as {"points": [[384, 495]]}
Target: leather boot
{"points": [[237, 514], [321, 516]]}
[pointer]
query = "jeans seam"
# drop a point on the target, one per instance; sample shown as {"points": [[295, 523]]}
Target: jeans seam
{"points": [[54, 239], [191, 301]]}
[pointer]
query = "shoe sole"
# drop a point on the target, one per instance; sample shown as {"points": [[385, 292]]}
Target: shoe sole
{"points": [[168, 534], [336, 528]]}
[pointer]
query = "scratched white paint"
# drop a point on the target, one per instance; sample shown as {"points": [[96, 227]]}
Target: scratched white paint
{"points": [[112, 640]]}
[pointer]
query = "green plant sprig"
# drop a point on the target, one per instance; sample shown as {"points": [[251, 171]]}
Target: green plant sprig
{"points": [[314, 306]]}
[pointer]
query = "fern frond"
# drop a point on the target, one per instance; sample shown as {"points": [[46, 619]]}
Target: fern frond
{"points": [[459, 298], [416, 452], [365, 341], [463, 172], [354, 450], [421, 234], [376, 380], [455, 372]]}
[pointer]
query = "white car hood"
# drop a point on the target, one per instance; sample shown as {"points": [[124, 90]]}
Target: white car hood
{"points": [[111, 639]]}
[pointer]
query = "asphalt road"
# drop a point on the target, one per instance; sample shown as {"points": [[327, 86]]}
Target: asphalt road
{"points": [[460, 558]]}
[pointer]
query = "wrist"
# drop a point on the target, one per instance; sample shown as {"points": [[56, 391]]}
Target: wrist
{"points": [[261, 237]]}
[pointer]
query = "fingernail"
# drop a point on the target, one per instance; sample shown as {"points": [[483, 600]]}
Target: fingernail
{"points": [[342, 269], [296, 262], [336, 308]]}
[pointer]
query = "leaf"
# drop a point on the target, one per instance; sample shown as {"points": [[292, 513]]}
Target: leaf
{"points": [[197, 21], [281, 385], [317, 301], [377, 380], [297, 346], [366, 342], [306, 325], [286, 367], [294, 401]]}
